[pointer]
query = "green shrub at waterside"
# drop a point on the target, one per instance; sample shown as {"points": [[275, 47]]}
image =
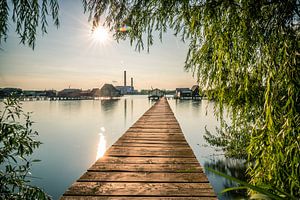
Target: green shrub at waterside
{"points": [[17, 142]]}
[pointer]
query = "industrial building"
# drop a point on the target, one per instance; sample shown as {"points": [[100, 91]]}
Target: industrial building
{"points": [[126, 89]]}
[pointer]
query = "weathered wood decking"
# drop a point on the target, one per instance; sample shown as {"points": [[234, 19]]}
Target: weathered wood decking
{"points": [[152, 160]]}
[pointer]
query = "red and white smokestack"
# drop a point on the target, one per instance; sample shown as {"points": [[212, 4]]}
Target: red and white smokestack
{"points": [[125, 78]]}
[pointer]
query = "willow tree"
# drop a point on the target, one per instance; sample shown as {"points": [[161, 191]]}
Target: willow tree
{"points": [[27, 16], [17, 139], [245, 53]]}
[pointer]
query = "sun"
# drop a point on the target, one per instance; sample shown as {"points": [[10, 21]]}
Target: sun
{"points": [[100, 34]]}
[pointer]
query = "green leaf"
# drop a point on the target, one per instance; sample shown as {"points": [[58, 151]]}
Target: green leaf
{"points": [[255, 188], [260, 196], [234, 188]]}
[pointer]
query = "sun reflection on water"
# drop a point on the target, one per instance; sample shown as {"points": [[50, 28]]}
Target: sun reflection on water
{"points": [[101, 145]]}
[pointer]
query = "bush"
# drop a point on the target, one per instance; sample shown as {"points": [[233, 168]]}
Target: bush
{"points": [[17, 142]]}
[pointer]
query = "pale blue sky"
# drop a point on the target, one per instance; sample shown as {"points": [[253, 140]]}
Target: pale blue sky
{"points": [[68, 56]]}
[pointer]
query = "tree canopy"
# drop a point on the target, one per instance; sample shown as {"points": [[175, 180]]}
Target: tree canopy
{"points": [[246, 54]]}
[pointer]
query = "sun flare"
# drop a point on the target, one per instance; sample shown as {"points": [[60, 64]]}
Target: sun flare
{"points": [[100, 34]]}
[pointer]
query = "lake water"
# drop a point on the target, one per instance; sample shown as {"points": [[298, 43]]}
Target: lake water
{"points": [[74, 133]]}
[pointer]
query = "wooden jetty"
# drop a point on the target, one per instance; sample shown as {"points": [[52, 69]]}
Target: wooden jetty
{"points": [[152, 161]]}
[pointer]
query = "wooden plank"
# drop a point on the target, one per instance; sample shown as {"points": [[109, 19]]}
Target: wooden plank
{"points": [[146, 160], [164, 145], [179, 154], [148, 150], [170, 135], [164, 148], [155, 134], [153, 126], [134, 134], [141, 134], [159, 114], [156, 125], [143, 177], [183, 149], [133, 140], [152, 139], [159, 111], [147, 137], [167, 128], [182, 168], [140, 189], [133, 198], [155, 130], [155, 148], [158, 120]]}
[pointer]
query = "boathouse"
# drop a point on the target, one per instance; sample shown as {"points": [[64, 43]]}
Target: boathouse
{"points": [[183, 93], [108, 90], [155, 94]]}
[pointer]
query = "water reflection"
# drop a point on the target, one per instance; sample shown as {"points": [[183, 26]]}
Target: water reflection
{"points": [[232, 167], [125, 111], [109, 104], [131, 111], [183, 104], [101, 145], [68, 106], [196, 104]]}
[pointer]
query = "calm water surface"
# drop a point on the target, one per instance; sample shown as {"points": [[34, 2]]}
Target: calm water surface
{"points": [[75, 133]]}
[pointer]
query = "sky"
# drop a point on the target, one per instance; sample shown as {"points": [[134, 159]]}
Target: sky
{"points": [[70, 57]]}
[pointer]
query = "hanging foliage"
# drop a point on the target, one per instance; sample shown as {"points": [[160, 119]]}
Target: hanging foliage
{"points": [[245, 54], [27, 16]]}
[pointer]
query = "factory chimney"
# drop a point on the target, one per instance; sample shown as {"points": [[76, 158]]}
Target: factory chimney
{"points": [[131, 82], [125, 78]]}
